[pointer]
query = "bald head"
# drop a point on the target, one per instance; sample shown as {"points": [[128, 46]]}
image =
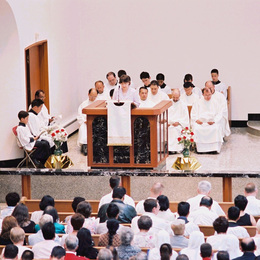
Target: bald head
{"points": [[248, 244], [250, 189], [156, 190], [176, 95], [92, 94], [210, 86]]}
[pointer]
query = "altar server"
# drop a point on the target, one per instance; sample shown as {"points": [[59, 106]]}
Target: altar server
{"points": [[144, 101], [160, 78], [219, 86], [156, 95], [178, 118], [196, 90], [103, 93], [82, 118], [188, 97], [206, 117]]}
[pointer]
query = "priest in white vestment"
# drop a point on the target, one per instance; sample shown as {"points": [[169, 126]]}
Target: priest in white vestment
{"points": [[196, 90], [156, 95], [144, 101], [103, 93], [188, 97], [82, 119], [112, 82], [160, 78], [219, 86], [178, 118], [206, 116]]}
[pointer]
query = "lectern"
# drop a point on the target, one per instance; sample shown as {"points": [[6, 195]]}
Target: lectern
{"points": [[149, 138]]}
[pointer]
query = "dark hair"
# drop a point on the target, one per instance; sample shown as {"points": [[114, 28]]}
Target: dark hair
{"points": [[11, 251], [155, 83], [22, 114], [37, 93], [75, 202], [149, 204], [58, 252], [27, 255], [46, 200], [188, 85], [48, 231], [163, 202], [160, 76], [53, 212], [112, 210], [206, 250], [111, 92], [182, 257], [222, 255], [206, 201], [21, 214], [37, 103], [99, 81], [77, 220], [110, 73], [220, 224], [240, 202], [118, 192], [112, 226], [124, 79], [250, 246], [114, 181], [12, 198], [142, 88], [183, 208], [84, 208], [188, 77], [233, 213], [86, 244], [165, 251], [8, 223], [145, 222], [121, 73], [214, 71], [90, 90], [144, 75]]}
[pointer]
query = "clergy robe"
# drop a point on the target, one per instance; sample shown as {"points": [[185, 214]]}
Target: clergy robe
{"points": [[109, 87], [178, 112], [189, 100], [221, 87], [195, 90], [146, 103], [207, 137], [104, 95], [129, 95], [166, 89], [43, 115], [160, 96]]}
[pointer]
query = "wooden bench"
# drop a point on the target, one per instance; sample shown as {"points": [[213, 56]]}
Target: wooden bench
{"points": [[3, 246]]}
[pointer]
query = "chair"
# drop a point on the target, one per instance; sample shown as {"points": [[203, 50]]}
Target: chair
{"points": [[27, 153]]}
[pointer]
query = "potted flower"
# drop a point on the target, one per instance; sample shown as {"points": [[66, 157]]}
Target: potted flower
{"points": [[186, 138], [59, 135]]}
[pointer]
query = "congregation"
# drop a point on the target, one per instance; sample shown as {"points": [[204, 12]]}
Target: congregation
{"points": [[125, 229]]}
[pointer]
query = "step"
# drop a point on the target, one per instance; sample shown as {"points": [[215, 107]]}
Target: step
{"points": [[253, 127]]}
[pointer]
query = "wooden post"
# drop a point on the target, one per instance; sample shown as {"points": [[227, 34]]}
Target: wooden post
{"points": [[125, 181], [26, 186], [227, 189]]}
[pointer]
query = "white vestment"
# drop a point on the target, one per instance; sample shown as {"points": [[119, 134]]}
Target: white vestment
{"points": [[146, 103], [166, 89], [253, 206], [207, 137], [189, 100], [203, 216], [104, 96], [195, 90], [82, 118], [109, 87], [130, 95], [160, 96], [178, 112], [221, 87], [25, 137], [44, 115]]}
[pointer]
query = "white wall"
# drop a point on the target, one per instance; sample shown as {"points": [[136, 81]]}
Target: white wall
{"points": [[86, 39]]}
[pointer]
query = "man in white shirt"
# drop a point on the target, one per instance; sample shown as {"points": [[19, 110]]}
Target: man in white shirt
{"points": [[204, 188], [188, 97], [160, 78], [253, 205], [103, 93], [220, 86], [144, 101], [156, 190], [112, 82], [114, 182], [12, 199], [156, 95], [82, 119], [196, 90]]}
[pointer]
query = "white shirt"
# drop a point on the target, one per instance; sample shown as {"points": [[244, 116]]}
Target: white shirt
{"points": [[160, 96], [190, 227], [203, 216], [44, 115], [221, 87], [166, 215], [140, 206], [38, 237], [146, 103], [25, 137], [189, 100], [239, 232], [36, 215], [166, 89], [43, 249], [103, 96], [253, 206], [7, 211]]}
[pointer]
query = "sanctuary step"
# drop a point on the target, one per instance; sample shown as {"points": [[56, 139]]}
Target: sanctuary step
{"points": [[253, 127]]}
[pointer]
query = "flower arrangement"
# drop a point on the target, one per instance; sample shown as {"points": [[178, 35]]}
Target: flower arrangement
{"points": [[59, 134], [186, 138]]}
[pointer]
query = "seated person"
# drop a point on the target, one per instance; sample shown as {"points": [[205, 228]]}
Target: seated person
{"points": [[188, 97], [160, 78], [220, 86], [123, 72], [112, 82], [146, 79], [144, 101], [156, 95], [8, 223], [164, 211], [12, 198], [178, 240], [11, 252], [196, 90], [253, 205], [103, 93], [206, 251]]}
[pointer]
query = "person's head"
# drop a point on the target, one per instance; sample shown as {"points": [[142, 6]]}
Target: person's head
{"points": [[85, 239], [176, 95], [112, 211], [23, 116], [99, 86], [165, 251], [241, 202], [154, 87], [58, 253], [210, 85], [27, 255], [21, 214], [220, 225], [204, 187], [223, 255], [126, 236], [104, 254], [119, 193], [75, 202], [247, 245], [77, 220], [53, 212], [233, 213], [151, 205], [11, 252], [45, 219], [112, 226], [156, 190], [39, 94], [205, 250], [114, 181], [182, 257], [214, 75], [145, 77], [92, 94], [207, 93], [143, 93], [121, 73], [188, 78], [178, 227], [84, 208], [206, 201], [124, 82], [144, 223], [71, 243], [46, 200], [17, 235], [183, 209], [37, 105], [188, 86], [160, 78], [8, 223], [250, 189], [48, 231], [163, 202], [12, 198], [111, 78]]}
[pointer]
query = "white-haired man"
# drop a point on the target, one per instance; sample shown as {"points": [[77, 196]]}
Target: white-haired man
{"points": [[253, 205]]}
